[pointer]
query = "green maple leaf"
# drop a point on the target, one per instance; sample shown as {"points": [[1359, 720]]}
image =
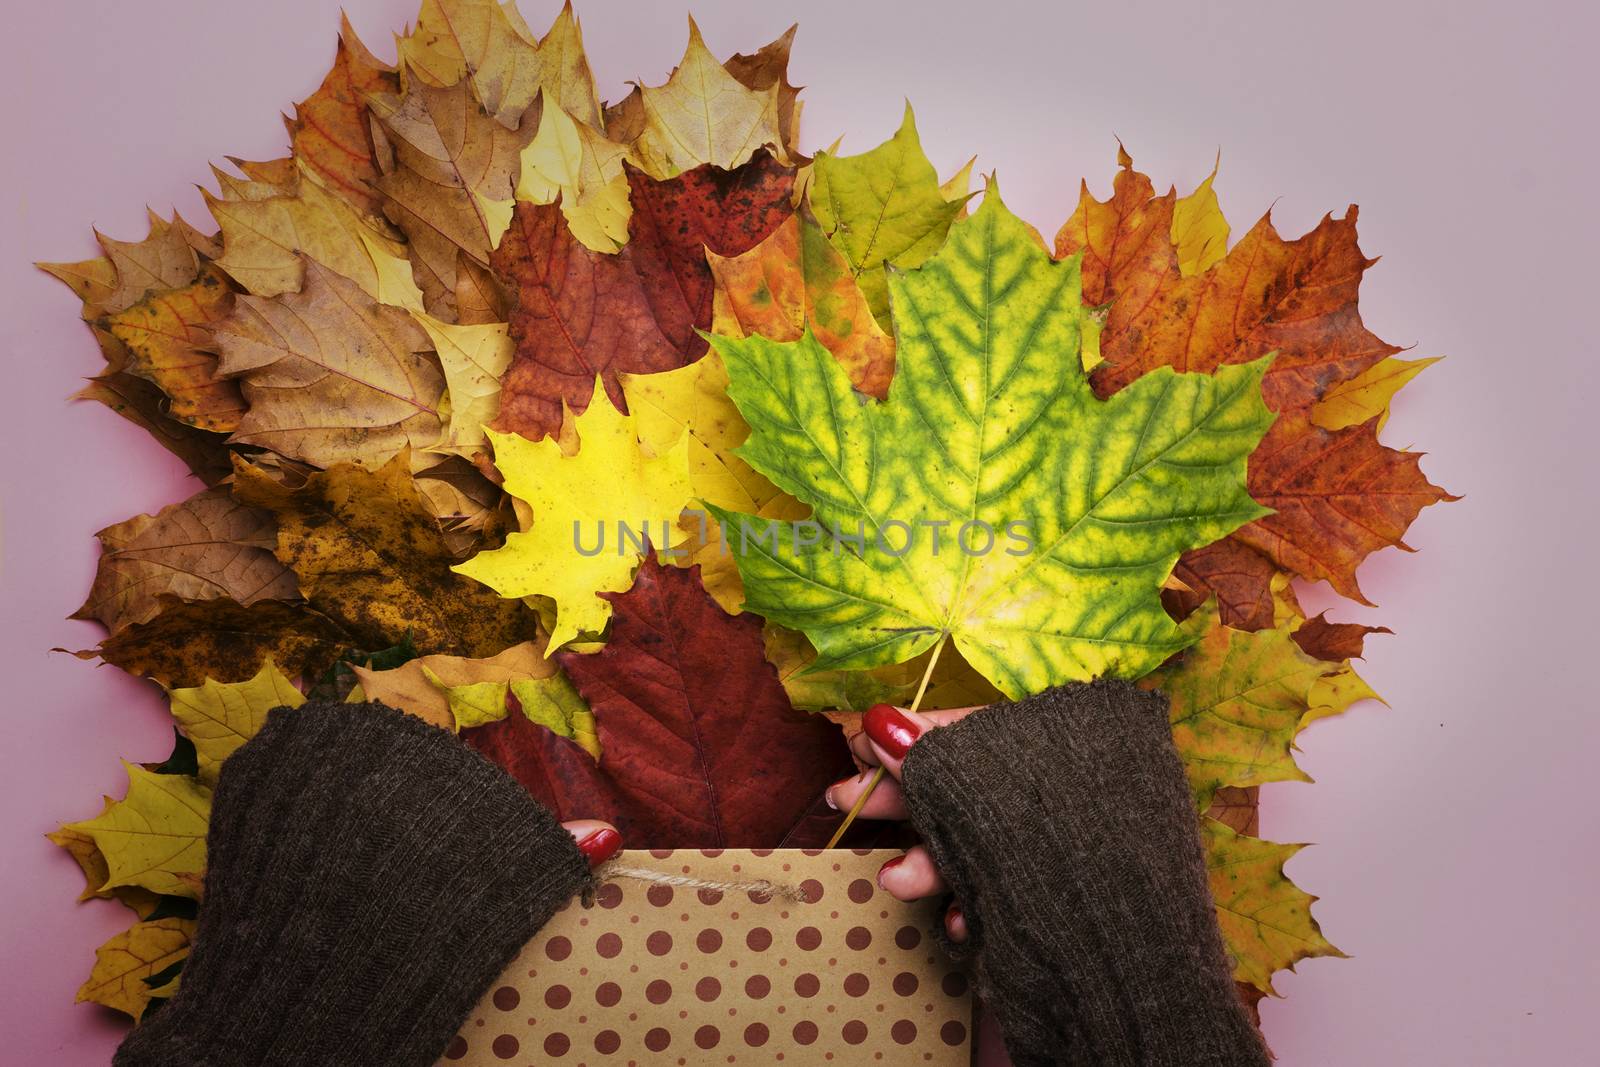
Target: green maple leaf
{"points": [[883, 206], [1265, 918], [989, 420]]}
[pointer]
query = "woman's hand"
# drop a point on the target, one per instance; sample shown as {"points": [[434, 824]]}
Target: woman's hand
{"points": [[887, 734]]}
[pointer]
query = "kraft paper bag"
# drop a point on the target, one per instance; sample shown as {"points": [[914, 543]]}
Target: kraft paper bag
{"points": [[668, 975]]}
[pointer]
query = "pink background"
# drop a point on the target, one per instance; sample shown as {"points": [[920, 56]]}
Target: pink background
{"points": [[1456, 833]]}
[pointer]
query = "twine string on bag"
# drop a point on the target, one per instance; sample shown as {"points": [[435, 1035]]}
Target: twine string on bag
{"points": [[760, 889]]}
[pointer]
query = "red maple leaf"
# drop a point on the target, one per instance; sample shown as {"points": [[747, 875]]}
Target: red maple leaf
{"points": [[699, 745]]}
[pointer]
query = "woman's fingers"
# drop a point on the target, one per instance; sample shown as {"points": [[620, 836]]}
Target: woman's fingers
{"points": [[955, 924], [598, 841], [890, 732], [886, 801], [912, 876], [891, 724]]}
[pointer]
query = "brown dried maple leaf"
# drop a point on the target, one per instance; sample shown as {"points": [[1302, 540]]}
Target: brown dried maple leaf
{"points": [[168, 341], [369, 556], [1295, 298], [1128, 254], [331, 132], [453, 167], [202, 548], [1338, 497], [331, 374]]}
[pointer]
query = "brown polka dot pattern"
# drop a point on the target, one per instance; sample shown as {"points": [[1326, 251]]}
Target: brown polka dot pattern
{"points": [[663, 976]]}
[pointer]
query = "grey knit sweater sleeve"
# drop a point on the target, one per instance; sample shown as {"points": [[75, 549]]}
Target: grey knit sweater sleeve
{"points": [[368, 876], [1066, 830]]}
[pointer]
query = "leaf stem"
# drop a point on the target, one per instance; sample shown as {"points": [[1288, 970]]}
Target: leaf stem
{"points": [[877, 776]]}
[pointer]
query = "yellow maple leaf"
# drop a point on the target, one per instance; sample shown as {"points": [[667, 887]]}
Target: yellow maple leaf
{"points": [[551, 702], [590, 513], [86, 854], [957, 189], [168, 989], [392, 280], [1333, 694], [1368, 394], [884, 206], [156, 836], [123, 963], [578, 163], [473, 358], [691, 404], [556, 704], [459, 693], [220, 716], [703, 114], [473, 704], [1239, 700], [1199, 230], [1265, 918], [418, 686]]}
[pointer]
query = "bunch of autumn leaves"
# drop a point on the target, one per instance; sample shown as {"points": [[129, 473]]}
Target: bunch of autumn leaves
{"points": [[420, 331]]}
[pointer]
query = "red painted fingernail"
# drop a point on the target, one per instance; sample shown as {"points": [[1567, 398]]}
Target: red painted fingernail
{"points": [[887, 867], [600, 845], [952, 916], [890, 730]]}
